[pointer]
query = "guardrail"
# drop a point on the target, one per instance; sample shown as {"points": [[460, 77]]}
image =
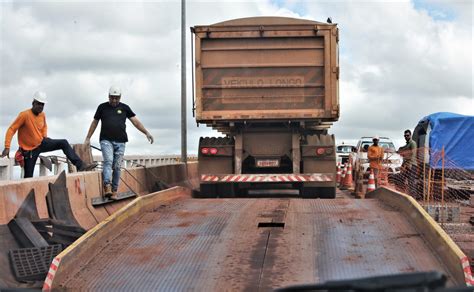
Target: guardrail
{"points": [[8, 167]]}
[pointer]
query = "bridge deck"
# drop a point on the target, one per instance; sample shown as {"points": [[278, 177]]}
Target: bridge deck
{"points": [[217, 244]]}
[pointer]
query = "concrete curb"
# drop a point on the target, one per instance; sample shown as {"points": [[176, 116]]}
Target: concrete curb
{"points": [[440, 242]]}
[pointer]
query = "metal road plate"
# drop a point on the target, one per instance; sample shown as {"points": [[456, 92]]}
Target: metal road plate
{"points": [[217, 244], [97, 201]]}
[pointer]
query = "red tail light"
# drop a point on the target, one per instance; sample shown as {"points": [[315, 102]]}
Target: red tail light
{"points": [[213, 151], [320, 151], [205, 150]]}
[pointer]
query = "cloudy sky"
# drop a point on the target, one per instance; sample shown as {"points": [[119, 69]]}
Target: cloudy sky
{"points": [[400, 61]]}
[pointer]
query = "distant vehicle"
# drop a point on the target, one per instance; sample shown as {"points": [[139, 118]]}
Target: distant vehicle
{"points": [[392, 161], [342, 153]]}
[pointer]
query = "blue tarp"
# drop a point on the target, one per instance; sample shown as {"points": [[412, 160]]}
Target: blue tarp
{"points": [[456, 133]]}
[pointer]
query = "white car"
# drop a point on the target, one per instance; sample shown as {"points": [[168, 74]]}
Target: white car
{"points": [[342, 153], [392, 161]]}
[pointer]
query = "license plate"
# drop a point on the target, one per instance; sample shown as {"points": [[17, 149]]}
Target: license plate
{"points": [[268, 163]]}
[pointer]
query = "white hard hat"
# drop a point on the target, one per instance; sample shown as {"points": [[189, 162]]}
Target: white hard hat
{"points": [[40, 96], [115, 91], [376, 138]]}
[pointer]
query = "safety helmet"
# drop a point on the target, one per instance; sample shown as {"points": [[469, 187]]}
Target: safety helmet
{"points": [[40, 96], [376, 138], [115, 91]]}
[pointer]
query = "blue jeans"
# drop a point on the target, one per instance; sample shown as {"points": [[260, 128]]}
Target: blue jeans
{"points": [[112, 153]]}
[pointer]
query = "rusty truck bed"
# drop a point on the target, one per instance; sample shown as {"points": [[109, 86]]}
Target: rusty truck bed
{"points": [[266, 68], [256, 244]]}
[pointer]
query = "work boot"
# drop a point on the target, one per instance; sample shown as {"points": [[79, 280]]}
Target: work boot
{"points": [[108, 190], [87, 167], [114, 195]]}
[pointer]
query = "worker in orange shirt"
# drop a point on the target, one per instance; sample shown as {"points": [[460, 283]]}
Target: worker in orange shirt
{"points": [[33, 139], [375, 156]]}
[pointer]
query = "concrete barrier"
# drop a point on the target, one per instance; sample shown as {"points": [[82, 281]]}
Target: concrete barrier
{"points": [[106, 231], [440, 242], [6, 168], [13, 193], [86, 185]]}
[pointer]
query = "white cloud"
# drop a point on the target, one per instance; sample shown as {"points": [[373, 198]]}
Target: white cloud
{"points": [[398, 65]]}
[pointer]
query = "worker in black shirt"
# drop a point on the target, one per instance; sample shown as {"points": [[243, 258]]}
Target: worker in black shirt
{"points": [[113, 137]]}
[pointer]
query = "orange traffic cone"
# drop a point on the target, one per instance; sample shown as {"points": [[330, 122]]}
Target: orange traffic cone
{"points": [[371, 183], [348, 180], [338, 175]]}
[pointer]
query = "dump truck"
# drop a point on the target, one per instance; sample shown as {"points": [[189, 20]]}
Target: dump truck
{"points": [[270, 85]]}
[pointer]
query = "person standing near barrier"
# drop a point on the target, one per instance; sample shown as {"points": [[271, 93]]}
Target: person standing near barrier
{"points": [[408, 151], [375, 155], [408, 169], [33, 139], [113, 137]]}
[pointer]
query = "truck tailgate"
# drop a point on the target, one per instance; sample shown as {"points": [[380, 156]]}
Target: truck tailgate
{"points": [[241, 244], [266, 68]]}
